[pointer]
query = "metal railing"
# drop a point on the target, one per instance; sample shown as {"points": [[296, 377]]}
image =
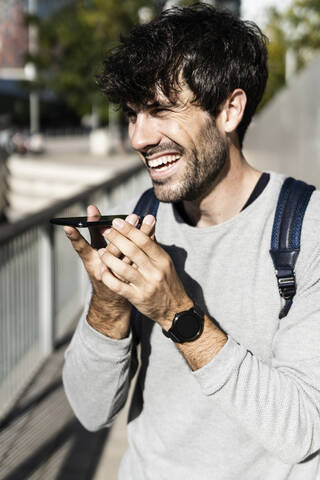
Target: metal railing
{"points": [[3, 182], [43, 283]]}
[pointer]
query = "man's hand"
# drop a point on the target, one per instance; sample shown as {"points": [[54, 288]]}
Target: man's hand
{"points": [[151, 284], [109, 312]]}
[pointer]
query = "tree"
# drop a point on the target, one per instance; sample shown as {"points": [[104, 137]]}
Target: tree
{"points": [[72, 44], [277, 48], [296, 30], [302, 21]]}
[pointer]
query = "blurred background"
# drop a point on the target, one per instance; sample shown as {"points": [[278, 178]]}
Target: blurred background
{"points": [[62, 147]]}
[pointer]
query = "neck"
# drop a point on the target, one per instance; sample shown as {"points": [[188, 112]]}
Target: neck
{"points": [[227, 196]]}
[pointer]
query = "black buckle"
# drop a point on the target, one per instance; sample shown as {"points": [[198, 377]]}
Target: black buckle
{"points": [[286, 284]]}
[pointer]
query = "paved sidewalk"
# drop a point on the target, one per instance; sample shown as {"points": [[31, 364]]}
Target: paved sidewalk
{"points": [[42, 440], [66, 168]]}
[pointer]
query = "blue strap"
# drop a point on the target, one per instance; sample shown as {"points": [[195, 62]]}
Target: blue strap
{"points": [[286, 235], [147, 204]]}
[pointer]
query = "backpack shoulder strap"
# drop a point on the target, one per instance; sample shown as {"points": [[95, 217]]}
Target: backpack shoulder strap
{"points": [[147, 204], [286, 234]]}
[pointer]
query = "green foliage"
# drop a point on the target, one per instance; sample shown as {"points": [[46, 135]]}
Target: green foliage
{"points": [[277, 48], [303, 23], [297, 29], [74, 40], [72, 45]]}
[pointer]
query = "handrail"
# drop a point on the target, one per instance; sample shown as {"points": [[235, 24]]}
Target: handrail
{"points": [[11, 230], [43, 284]]}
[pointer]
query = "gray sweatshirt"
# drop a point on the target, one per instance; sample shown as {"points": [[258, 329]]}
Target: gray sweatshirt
{"points": [[252, 412]]}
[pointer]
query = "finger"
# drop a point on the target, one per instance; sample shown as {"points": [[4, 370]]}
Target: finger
{"points": [[93, 212], [80, 244], [133, 220], [101, 268], [127, 247], [148, 226], [96, 233], [121, 270], [135, 236], [117, 286]]}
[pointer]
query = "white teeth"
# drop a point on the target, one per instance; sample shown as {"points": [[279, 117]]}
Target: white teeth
{"points": [[162, 160]]}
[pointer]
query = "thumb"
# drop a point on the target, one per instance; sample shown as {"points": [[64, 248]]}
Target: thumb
{"points": [[80, 245], [93, 211], [96, 233]]}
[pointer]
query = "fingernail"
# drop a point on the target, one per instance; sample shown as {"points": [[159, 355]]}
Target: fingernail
{"points": [[107, 230], [133, 220], [148, 220], [118, 223], [101, 252]]}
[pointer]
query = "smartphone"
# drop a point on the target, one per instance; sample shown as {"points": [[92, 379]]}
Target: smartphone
{"points": [[81, 222]]}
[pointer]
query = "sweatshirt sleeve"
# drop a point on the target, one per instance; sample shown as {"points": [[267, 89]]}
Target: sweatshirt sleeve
{"points": [[97, 374], [277, 403], [98, 370]]}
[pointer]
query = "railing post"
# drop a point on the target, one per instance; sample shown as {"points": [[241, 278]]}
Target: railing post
{"points": [[47, 290]]}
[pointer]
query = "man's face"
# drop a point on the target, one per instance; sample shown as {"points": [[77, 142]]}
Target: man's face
{"points": [[181, 146]]}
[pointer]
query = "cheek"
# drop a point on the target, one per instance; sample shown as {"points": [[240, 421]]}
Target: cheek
{"points": [[189, 128], [220, 124], [181, 134]]}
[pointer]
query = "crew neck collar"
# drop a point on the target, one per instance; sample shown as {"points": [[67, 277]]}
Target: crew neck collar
{"points": [[270, 190]]}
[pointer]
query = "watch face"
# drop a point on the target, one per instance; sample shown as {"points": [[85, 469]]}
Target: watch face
{"points": [[187, 326]]}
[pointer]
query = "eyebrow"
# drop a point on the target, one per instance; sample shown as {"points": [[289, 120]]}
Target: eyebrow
{"points": [[155, 104], [161, 104]]}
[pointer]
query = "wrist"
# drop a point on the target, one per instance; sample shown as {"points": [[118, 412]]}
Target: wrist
{"points": [[110, 320], [182, 306], [187, 325], [206, 347]]}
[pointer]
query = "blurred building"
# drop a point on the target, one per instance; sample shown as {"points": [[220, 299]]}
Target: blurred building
{"points": [[13, 34], [14, 46]]}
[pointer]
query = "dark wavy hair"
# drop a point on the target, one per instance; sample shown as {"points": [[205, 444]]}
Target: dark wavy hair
{"points": [[211, 50]]}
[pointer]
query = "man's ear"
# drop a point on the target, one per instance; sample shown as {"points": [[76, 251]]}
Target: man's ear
{"points": [[233, 110]]}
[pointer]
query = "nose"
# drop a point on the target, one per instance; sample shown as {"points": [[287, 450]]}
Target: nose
{"points": [[144, 133]]}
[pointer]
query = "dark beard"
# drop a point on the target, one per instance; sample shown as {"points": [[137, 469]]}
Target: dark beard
{"points": [[204, 164]]}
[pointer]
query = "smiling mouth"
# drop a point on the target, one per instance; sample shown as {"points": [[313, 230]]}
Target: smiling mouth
{"points": [[163, 162]]}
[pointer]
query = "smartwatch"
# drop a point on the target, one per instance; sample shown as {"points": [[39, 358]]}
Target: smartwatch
{"points": [[186, 326]]}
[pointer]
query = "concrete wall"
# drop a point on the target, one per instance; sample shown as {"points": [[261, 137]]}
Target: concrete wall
{"points": [[285, 136]]}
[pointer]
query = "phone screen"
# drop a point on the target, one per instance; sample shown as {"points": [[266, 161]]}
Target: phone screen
{"points": [[81, 222]]}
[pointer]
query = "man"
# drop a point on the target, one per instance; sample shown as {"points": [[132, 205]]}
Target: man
{"points": [[225, 389]]}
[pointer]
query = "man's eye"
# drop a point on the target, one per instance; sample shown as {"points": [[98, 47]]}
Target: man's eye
{"points": [[130, 116], [160, 111]]}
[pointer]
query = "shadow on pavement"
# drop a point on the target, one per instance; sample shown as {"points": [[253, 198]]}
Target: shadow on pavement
{"points": [[41, 439]]}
